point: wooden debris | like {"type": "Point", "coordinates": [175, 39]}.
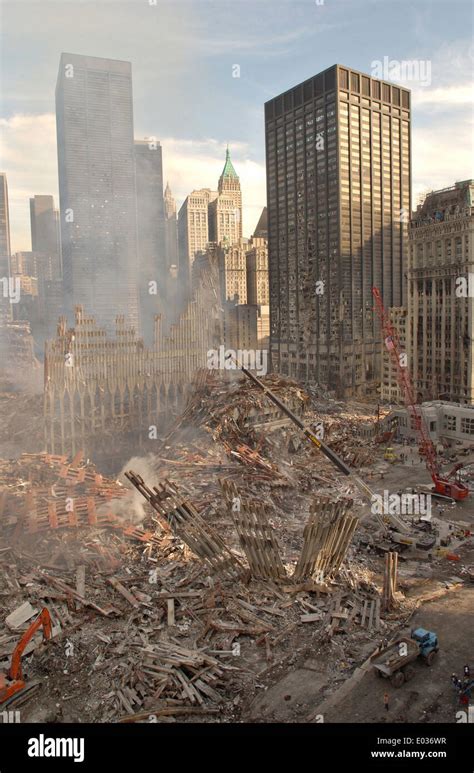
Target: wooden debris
{"type": "Point", "coordinates": [20, 615]}
{"type": "Point", "coordinates": [168, 711]}
{"type": "Point", "coordinates": [110, 610]}
{"type": "Point", "coordinates": [171, 618]}
{"type": "Point", "coordinates": [390, 580]}
{"type": "Point", "coordinates": [123, 591]}
{"type": "Point", "coordinates": [311, 618]}
{"type": "Point", "coordinates": [81, 580]}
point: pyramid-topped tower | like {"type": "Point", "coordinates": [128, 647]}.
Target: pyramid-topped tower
{"type": "Point", "coordinates": [229, 179]}
{"type": "Point", "coordinates": [225, 213]}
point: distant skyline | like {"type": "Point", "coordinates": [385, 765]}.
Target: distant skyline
{"type": "Point", "coordinates": [184, 55]}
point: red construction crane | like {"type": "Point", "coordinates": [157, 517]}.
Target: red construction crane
{"type": "Point", "coordinates": [446, 485]}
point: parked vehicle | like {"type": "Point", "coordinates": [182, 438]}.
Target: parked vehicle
{"type": "Point", "coordinates": [393, 662]}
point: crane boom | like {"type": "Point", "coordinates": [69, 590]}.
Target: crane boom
{"type": "Point", "coordinates": [395, 521]}
{"type": "Point", "coordinates": [443, 484]}
{"type": "Point", "coordinates": [326, 450]}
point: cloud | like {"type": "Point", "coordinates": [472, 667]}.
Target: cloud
{"type": "Point", "coordinates": [30, 162]}
{"type": "Point", "coordinates": [261, 45]}
{"type": "Point", "coordinates": [189, 165]}
{"type": "Point", "coordinates": [438, 161]}
{"type": "Point", "coordinates": [443, 98]}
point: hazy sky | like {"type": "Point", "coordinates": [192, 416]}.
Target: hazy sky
{"type": "Point", "coordinates": [182, 56]}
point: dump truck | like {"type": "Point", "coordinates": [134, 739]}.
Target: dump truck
{"type": "Point", "coordinates": [393, 662]}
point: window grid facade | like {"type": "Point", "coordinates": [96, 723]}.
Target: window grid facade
{"type": "Point", "coordinates": [96, 164]}
{"type": "Point", "coordinates": [338, 183]}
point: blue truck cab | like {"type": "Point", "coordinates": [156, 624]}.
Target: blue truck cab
{"type": "Point", "coordinates": [427, 641]}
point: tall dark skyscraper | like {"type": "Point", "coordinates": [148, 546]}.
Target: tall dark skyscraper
{"type": "Point", "coordinates": [94, 115]}
{"type": "Point", "coordinates": [44, 220]}
{"type": "Point", "coordinates": [151, 232]}
{"type": "Point", "coordinates": [5, 248]}
{"type": "Point", "coordinates": [339, 202]}
{"type": "Point", "coordinates": [171, 227]}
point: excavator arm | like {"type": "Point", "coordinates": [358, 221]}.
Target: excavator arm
{"type": "Point", "coordinates": [43, 620]}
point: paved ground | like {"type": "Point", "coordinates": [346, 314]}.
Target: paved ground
{"type": "Point", "coordinates": [399, 476]}
{"type": "Point", "coordinates": [298, 696]}
{"type": "Point", "coordinates": [428, 697]}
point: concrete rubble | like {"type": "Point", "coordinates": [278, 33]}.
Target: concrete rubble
{"type": "Point", "coordinates": [212, 570]}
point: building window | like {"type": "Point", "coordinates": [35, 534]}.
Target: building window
{"type": "Point", "coordinates": [450, 423]}
{"type": "Point", "coordinates": [355, 82]}
{"type": "Point", "coordinates": [467, 426]}
{"type": "Point", "coordinates": [343, 79]}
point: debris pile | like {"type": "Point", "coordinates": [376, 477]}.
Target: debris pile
{"type": "Point", "coordinates": [231, 408]}
{"type": "Point", "coordinates": [246, 562]}
{"type": "Point", "coordinates": [43, 491]}
{"type": "Point", "coordinates": [21, 423]}
{"type": "Point", "coordinates": [152, 633]}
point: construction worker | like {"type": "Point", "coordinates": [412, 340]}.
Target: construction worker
{"type": "Point", "coordinates": [467, 672]}
{"type": "Point", "coordinates": [385, 701]}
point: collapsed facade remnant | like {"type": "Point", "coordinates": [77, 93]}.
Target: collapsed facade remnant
{"type": "Point", "coordinates": [18, 364]}
{"type": "Point", "coordinates": [256, 536]}
{"type": "Point", "coordinates": [95, 385]}
{"type": "Point", "coordinates": [186, 523]}
{"type": "Point", "coordinates": [390, 580]}
{"type": "Point", "coordinates": [327, 536]}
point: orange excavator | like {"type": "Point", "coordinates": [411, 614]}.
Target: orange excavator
{"type": "Point", "coordinates": [12, 683]}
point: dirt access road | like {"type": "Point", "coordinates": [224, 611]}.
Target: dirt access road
{"type": "Point", "coordinates": [428, 697]}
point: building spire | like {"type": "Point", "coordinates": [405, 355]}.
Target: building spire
{"type": "Point", "coordinates": [229, 170]}
{"type": "Point", "coordinates": [169, 202]}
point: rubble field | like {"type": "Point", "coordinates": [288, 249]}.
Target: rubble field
{"type": "Point", "coordinates": [231, 576]}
